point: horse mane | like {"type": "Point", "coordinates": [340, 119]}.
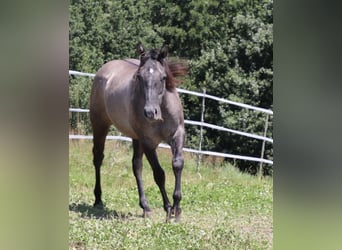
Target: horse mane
{"type": "Point", "coordinates": [173, 70]}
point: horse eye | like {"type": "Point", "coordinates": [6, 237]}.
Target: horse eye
{"type": "Point", "coordinates": [139, 77]}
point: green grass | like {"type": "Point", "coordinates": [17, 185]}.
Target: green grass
{"type": "Point", "coordinates": [222, 207]}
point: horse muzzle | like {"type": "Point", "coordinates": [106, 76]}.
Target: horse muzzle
{"type": "Point", "coordinates": [152, 114]}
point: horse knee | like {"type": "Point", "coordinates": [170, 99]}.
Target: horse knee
{"type": "Point", "coordinates": [178, 163]}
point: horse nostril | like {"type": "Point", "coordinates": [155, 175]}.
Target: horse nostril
{"type": "Point", "coordinates": [148, 113]}
{"type": "Point", "coordinates": [151, 113]}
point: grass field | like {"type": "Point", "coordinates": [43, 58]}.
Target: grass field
{"type": "Point", "coordinates": [222, 207]}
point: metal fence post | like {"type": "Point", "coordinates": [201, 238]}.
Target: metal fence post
{"type": "Point", "coordinates": [263, 148]}
{"type": "Point", "coordinates": [199, 155]}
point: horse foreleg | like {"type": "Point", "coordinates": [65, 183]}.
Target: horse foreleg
{"type": "Point", "coordinates": [177, 166]}
{"type": "Point", "coordinates": [159, 178]}
{"type": "Point", "coordinates": [137, 170]}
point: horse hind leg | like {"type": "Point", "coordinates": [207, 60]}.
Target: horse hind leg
{"type": "Point", "coordinates": [99, 133]}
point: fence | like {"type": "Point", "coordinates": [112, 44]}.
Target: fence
{"type": "Point", "coordinates": [202, 124]}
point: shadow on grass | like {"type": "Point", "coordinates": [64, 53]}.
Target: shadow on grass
{"type": "Point", "coordinates": [89, 211]}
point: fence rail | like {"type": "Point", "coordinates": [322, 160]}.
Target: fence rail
{"type": "Point", "coordinates": [242, 105]}
{"type": "Point", "coordinates": [204, 124]}
{"type": "Point", "coordinates": [201, 124]}
{"type": "Point", "coordinates": [163, 145]}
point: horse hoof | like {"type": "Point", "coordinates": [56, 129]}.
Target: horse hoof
{"type": "Point", "coordinates": [177, 219]}
{"type": "Point", "coordinates": [147, 214]}
{"type": "Point", "coordinates": [168, 214]}
{"type": "Point", "coordinates": [178, 213]}
{"type": "Point", "coordinates": [98, 205]}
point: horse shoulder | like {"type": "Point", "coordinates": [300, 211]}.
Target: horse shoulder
{"type": "Point", "coordinates": [172, 115]}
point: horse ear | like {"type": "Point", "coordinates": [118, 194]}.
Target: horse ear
{"type": "Point", "coordinates": [163, 52]}
{"type": "Point", "coordinates": [140, 49]}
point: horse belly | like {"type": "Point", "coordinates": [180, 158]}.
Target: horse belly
{"type": "Point", "coordinates": [117, 105]}
{"type": "Point", "coordinates": [123, 126]}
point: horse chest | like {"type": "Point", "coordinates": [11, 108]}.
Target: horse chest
{"type": "Point", "coordinates": [155, 132]}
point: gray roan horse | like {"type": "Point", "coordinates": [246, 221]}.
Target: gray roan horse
{"type": "Point", "coordinates": [139, 97]}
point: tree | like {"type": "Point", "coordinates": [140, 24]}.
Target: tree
{"type": "Point", "coordinates": [229, 45]}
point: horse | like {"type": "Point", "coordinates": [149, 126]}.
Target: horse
{"type": "Point", "coordinates": [139, 97]}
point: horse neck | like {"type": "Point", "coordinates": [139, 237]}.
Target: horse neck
{"type": "Point", "coordinates": [171, 104]}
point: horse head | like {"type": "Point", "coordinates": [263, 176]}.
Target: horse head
{"type": "Point", "coordinates": [151, 77]}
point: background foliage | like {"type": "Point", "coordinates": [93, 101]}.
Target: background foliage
{"type": "Point", "coordinates": [229, 45]}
